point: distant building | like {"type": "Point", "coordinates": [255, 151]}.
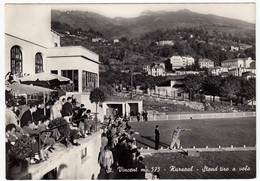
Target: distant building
{"type": "Point", "coordinates": [116, 41]}
{"type": "Point", "coordinates": [248, 75]}
{"type": "Point", "coordinates": [244, 46]}
{"type": "Point", "coordinates": [207, 63]}
{"type": "Point", "coordinates": [238, 62]}
{"type": "Point", "coordinates": [178, 61]}
{"type": "Point", "coordinates": [165, 42]}
{"type": "Point", "coordinates": [156, 69]}
{"type": "Point", "coordinates": [94, 40]}
{"type": "Point", "coordinates": [234, 48]}
{"type": "Point", "coordinates": [218, 70]}
{"type": "Point", "coordinates": [238, 71]}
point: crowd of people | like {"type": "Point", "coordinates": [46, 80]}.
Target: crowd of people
{"type": "Point", "coordinates": [31, 124]}
{"type": "Point", "coordinates": [119, 150]}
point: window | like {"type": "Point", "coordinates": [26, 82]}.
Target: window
{"type": "Point", "coordinates": [16, 61]}
{"type": "Point", "coordinates": [84, 153]}
{"type": "Point", "coordinates": [51, 175]}
{"type": "Point", "coordinates": [72, 75]}
{"type": "Point", "coordinates": [38, 63]}
{"type": "Point", "coordinates": [54, 72]}
{"type": "Point", "coordinates": [89, 81]}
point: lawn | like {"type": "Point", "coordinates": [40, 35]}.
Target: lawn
{"type": "Point", "coordinates": [209, 165]}
{"type": "Point", "coordinates": [211, 133]}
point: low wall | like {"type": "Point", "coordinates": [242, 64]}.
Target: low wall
{"type": "Point", "coordinates": [74, 162]}
{"type": "Point", "coordinates": [158, 117]}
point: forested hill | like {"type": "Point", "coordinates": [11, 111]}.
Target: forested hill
{"type": "Point", "coordinates": [147, 21]}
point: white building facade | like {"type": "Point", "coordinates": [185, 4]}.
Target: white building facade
{"type": "Point", "coordinates": [178, 61]}
{"type": "Point", "coordinates": [32, 47]}
{"type": "Point", "coordinates": [207, 63]}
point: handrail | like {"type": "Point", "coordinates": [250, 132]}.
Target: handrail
{"type": "Point", "coordinates": [48, 130]}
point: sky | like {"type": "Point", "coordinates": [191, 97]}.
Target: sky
{"type": "Point", "coordinates": [242, 11]}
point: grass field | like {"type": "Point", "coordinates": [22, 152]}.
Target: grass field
{"type": "Point", "coordinates": [224, 165]}
{"type": "Point", "coordinates": [211, 133]}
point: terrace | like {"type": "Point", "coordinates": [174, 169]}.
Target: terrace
{"type": "Point", "coordinates": [67, 163]}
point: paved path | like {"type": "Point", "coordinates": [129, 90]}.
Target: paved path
{"type": "Point", "coordinates": [151, 151]}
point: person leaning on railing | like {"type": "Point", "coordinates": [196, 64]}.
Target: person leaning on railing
{"type": "Point", "coordinates": [29, 128]}
{"type": "Point", "coordinates": [45, 136]}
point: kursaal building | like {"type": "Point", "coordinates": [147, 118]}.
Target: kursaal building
{"type": "Point", "coordinates": [31, 46]}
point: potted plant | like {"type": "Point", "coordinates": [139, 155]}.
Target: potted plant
{"type": "Point", "coordinates": [19, 153]}
{"type": "Point", "coordinates": [63, 128]}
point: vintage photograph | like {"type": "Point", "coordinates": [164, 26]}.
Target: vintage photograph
{"type": "Point", "coordinates": [130, 91]}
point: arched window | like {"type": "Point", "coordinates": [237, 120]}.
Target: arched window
{"type": "Point", "coordinates": [16, 61]}
{"type": "Point", "coordinates": [38, 63]}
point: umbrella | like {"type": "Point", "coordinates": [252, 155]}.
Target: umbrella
{"type": "Point", "coordinates": [45, 79]}
{"type": "Point", "coordinates": [18, 88]}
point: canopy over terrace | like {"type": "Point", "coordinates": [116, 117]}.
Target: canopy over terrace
{"type": "Point", "coordinates": [45, 80]}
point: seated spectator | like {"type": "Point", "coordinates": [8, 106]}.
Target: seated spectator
{"type": "Point", "coordinates": [30, 129]}
{"type": "Point", "coordinates": [10, 117]}
{"type": "Point", "coordinates": [74, 133]}
{"type": "Point", "coordinates": [46, 136]}
{"type": "Point", "coordinates": [10, 137]}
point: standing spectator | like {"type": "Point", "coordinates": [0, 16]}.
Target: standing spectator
{"type": "Point", "coordinates": [106, 159]}
{"type": "Point", "coordinates": [145, 113]}
{"type": "Point", "coordinates": [48, 109]}
{"type": "Point", "coordinates": [22, 107]}
{"type": "Point", "coordinates": [156, 176]}
{"type": "Point", "coordinates": [28, 115]}
{"type": "Point", "coordinates": [140, 168]}
{"type": "Point", "coordinates": [157, 137]}
{"type": "Point", "coordinates": [55, 110]}
{"type": "Point", "coordinates": [67, 111]}
{"type": "Point", "coordinates": [39, 112]}
{"type": "Point", "coordinates": [138, 116]}
{"type": "Point", "coordinates": [104, 141]}
{"type": "Point", "coordinates": [16, 110]}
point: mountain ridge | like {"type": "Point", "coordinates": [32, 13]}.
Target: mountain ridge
{"type": "Point", "coordinates": [148, 20]}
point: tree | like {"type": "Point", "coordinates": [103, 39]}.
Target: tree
{"type": "Point", "coordinates": [249, 89]}
{"type": "Point", "coordinates": [211, 85]}
{"type": "Point", "coordinates": [193, 83]}
{"type": "Point", "coordinates": [230, 88]}
{"type": "Point", "coordinates": [96, 96]}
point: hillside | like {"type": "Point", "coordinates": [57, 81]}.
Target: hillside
{"type": "Point", "coordinates": [147, 21]}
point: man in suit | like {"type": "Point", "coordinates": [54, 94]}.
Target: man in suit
{"type": "Point", "coordinates": [157, 137]}
{"type": "Point", "coordinates": [67, 111]}
{"type": "Point", "coordinates": [28, 115]}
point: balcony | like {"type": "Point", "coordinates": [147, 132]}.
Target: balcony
{"type": "Point", "coordinates": [74, 162]}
